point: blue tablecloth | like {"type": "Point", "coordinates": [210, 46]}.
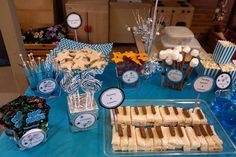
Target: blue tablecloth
{"type": "Point", "coordinates": [63, 143]}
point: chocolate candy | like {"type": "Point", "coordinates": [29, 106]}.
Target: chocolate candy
{"type": "Point", "coordinates": [144, 110]}
{"type": "Point", "coordinates": [136, 110]}
{"type": "Point", "coordinates": [153, 109]}
{"type": "Point", "coordinates": [203, 131]}
{"type": "Point", "coordinates": [179, 130]}
{"type": "Point", "coordinates": [124, 110]}
{"type": "Point", "coordinates": [167, 110]}
{"type": "Point", "coordinates": [175, 110]}
{"type": "Point", "coordinates": [159, 131]}
{"type": "Point", "coordinates": [209, 130]}
{"type": "Point", "coordinates": [150, 133]}
{"type": "Point", "coordinates": [199, 114]}
{"type": "Point", "coordinates": [172, 130]}
{"type": "Point", "coordinates": [116, 111]}
{"type": "Point", "coordinates": [186, 113]}
{"type": "Point", "coordinates": [120, 131]}
{"type": "Point", "coordinates": [197, 130]}
{"type": "Point", "coordinates": [129, 131]}
{"type": "Point", "coordinates": [142, 132]}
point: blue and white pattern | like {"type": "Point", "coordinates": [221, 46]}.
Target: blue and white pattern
{"type": "Point", "coordinates": [232, 71]}
{"type": "Point", "coordinates": [223, 54]}
{"type": "Point", "coordinates": [201, 70]}
{"type": "Point", "coordinates": [73, 45]}
{"type": "Point", "coordinates": [233, 76]}
{"type": "Point", "coordinates": [35, 116]}
{"type": "Point", "coordinates": [17, 119]}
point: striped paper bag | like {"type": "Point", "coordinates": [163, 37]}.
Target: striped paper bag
{"type": "Point", "coordinates": [224, 52]}
{"type": "Point", "coordinates": [231, 69]}
{"type": "Point", "coordinates": [208, 68]}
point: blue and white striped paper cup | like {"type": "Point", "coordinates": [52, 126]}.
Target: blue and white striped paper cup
{"type": "Point", "coordinates": [208, 68]}
{"type": "Point", "coordinates": [231, 69]}
{"type": "Point", "coordinates": [224, 52]}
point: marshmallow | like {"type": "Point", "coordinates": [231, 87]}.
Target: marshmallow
{"type": "Point", "coordinates": [194, 62]}
{"type": "Point", "coordinates": [180, 58]}
{"type": "Point", "coordinates": [178, 48]}
{"type": "Point", "coordinates": [135, 28]}
{"type": "Point", "coordinates": [194, 53]}
{"type": "Point", "coordinates": [186, 49]}
{"type": "Point", "coordinates": [169, 61]}
{"type": "Point", "coordinates": [163, 55]}
{"type": "Point", "coordinates": [174, 55]}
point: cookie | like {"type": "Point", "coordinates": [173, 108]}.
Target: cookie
{"type": "Point", "coordinates": [62, 56]}
{"type": "Point", "coordinates": [67, 65]}
{"type": "Point", "coordinates": [99, 64]}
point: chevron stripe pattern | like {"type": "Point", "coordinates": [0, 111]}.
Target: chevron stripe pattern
{"type": "Point", "coordinates": [73, 45]}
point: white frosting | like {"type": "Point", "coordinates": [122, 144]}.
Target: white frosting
{"type": "Point", "coordinates": [163, 55]}
{"type": "Point", "coordinates": [194, 53]}
{"type": "Point", "coordinates": [186, 49]}
{"type": "Point", "coordinates": [180, 58]}
{"type": "Point", "coordinates": [169, 61]}
{"type": "Point", "coordinates": [194, 62]}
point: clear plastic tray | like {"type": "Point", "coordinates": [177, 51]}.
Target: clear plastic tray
{"type": "Point", "coordinates": [228, 145]}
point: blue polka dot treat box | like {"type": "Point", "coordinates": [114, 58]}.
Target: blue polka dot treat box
{"type": "Point", "coordinates": [224, 52]}
{"type": "Point", "coordinates": [230, 69]}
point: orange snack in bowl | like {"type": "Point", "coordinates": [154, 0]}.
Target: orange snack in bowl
{"type": "Point", "coordinates": [142, 56]}
{"type": "Point", "coordinates": [117, 57]}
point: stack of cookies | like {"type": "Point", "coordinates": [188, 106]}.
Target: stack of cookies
{"type": "Point", "coordinates": [160, 128]}
{"type": "Point", "coordinates": [82, 59]}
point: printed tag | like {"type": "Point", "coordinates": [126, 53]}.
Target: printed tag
{"type": "Point", "coordinates": [111, 98]}
{"type": "Point", "coordinates": [203, 84]}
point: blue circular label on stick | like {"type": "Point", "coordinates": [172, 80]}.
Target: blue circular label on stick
{"type": "Point", "coordinates": [47, 86]}
{"type": "Point", "coordinates": [175, 75]}
{"type": "Point", "coordinates": [74, 20]}
{"type": "Point", "coordinates": [203, 84]}
{"type": "Point", "coordinates": [130, 76]}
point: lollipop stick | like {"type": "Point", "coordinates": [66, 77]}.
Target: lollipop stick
{"type": "Point", "coordinates": [196, 101]}
{"type": "Point", "coordinates": [114, 119]}
{"type": "Point", "coordinates": [87, 99]}
{"type": "Point", "coordinates": [76, 38]}
{"type": "Point", "coordinates": [92, 98]}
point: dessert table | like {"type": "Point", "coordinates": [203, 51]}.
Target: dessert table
{"type": "Point", "coordinates": [62, 142]}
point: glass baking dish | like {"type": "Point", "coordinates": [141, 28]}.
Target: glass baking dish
{"type": "Point", "coordinates": [228, 145]}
